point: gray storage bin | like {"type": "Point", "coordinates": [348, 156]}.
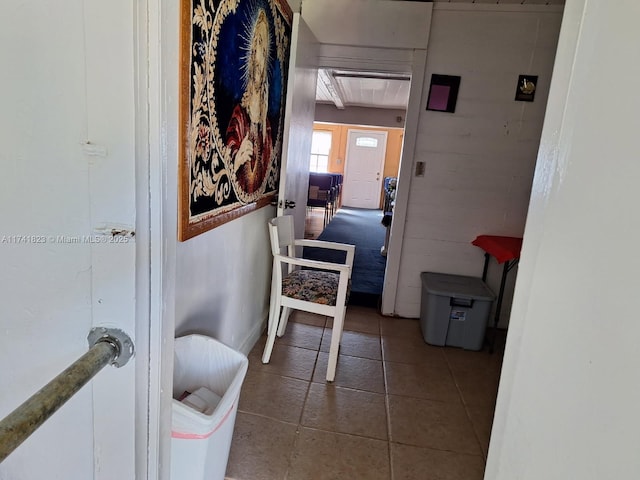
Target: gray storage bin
{"type": "Point", "coordinates": [454, 310]}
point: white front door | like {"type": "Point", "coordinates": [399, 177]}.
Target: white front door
{"type": "Point", "coordinates": [363, 170]}
{"type": "Point", "coordinates": [298, 126]}
{"type": "Point", "coordinates": [67, 237]}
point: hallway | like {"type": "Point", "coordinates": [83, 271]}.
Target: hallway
{"type": "Point", "coordinates": [399, 408]}
{"type": "Point", "coordinates": [363, 229]}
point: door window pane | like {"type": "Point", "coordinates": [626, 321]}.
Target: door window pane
{"type": "Point", "coordinates": [367, 142]}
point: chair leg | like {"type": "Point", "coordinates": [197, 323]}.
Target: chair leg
{"type": "Point", "coordinates": [284, 319]}
{"type": "Point", "coordinates": [274, 312]}
{"type": "Point", "coordinates": [273, 315]}
{"type": "Point", "coordinates": [336, 337]}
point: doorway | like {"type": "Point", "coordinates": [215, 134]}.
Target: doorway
{"type": "Point", "coordinates": [335, 161]}
{"type": "Point", "coordinates": [358, 224]}
{"type": "Point", "coordinates": [359, 75]}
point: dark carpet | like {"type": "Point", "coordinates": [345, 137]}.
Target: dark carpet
{"type": "Point", "coordinates": [362, 228]}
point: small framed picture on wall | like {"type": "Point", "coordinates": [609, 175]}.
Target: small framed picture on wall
{"type": "Point", "coordinates": [443, 93]}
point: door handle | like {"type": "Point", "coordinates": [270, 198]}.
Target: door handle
{"type": "Point", "coordinates": [287, 204]}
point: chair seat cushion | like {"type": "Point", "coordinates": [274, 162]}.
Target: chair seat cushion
{"type": "Point", "coordinates": [312, 286]}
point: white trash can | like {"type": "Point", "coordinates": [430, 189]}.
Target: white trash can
{"type": "Point", "coordinates": [207, 378]}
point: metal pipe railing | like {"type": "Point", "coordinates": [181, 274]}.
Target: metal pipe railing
{"type": "Point", "coordinates": [107, 346]}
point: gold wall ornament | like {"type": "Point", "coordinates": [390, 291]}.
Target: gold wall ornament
{"type": "Point", "coordinates": [526, 88]}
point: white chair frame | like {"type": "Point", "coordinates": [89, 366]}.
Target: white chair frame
{"type": "Point", "coordinates": [281, 234]}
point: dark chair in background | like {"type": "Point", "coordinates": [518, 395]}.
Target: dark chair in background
{"type": "Point", "coordinates": [389, 194]}
{"type": "Point", "coordinates": [337, 191]}
{"type": "Point", "coordinates": [321, 193]}
{"type": "Point", "coordinates": [387, 209]}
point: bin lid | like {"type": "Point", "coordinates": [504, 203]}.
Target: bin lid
{"type": "Point", "coordinates": [457, 286]}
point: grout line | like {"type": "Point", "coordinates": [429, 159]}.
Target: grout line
{"type": "Point", "coordinates": [302, 410]}
{"type": "Point", "coordinates": [351, 389]}
{"type": "Point", "coordinates": [346, 434]}
{"type": "Point", "coordinates": [260, 415]}
{"type": "Point", "coordinates": [465, 406]}
{"type": "Point", "coordinates": [387, 405]}
{"type": "Point", "coordinates": [437, 449]}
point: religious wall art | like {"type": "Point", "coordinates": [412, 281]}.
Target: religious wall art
{"type": "Point", "coordinates": [443, 93]}
{"type": "Point", "coordinates": [526, 89]}
{"type": "Point", "coordinates": [233, 73]}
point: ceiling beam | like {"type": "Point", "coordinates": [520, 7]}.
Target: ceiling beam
{"type": "Point", "coordinates": [326, 77]}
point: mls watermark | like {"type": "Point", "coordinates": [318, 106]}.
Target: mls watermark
{"type": "Point", "coordinates": [62, 239]}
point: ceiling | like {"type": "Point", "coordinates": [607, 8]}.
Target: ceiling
{"type": "Point", "coordinates": [344, 88]}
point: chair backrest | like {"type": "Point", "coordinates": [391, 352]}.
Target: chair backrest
{"type": "Point", "coordinates": [321, 189]}
{"type": "Point", "coordinates": [281, 234]}
{"type": "Point", "coordinates": [324, 181]}
{"type": "Point", "coordinates": [337, 182]}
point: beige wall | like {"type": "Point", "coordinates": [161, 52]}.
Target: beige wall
{"type": "Point", "coordinates": [339, 147]}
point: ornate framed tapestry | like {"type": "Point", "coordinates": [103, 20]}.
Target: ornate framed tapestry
{"type": "Point", "coordinates": [233, 74]}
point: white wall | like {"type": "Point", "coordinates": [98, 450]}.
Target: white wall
{"type": "Point", "coordinates": [376, 117]}
{"type": "Point", "coordinates": [379, 36]}
{"type": "Point", "coordinates": [223, 276]}
{"type": "Point", "coordinates": [385, 24]}
{"type": "Point", "coordinates": [479, 160]}
{"type": "Point", "coordinates": [45, 289]}
{"type": "Point", "coordinates": [294, 5]}
{"type": "Point", "coordinates": [570, 387]}
{"type": "Point", "coordinates": [222, 281]}
{"type": "Point", "coordinates": [67, 87]}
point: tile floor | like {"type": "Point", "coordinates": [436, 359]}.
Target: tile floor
{"type": "Point", "coordinates": [399, 409]}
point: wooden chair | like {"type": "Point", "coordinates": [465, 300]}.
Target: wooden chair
{"type": "Point", "coordinates": [321, 287]}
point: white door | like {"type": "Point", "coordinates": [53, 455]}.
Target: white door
{"type": "Point", "coordinates": [298, 123]}
{"type": "Point", "coordinates": [67, 250]}
{"type": "Point", "coordinates": [363, 169]}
